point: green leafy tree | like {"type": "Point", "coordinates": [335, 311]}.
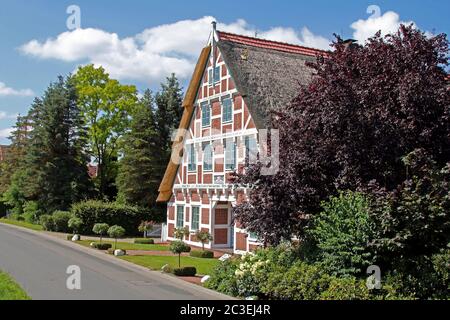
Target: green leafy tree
{"type": "Point", "coordinates": [139, 171]}
{"type": "Point", "coordinates": [146, 226]}
{"type": "Point", "coordinates": [106, 106]}
{"type": "Point", "coordinates": [116, 232]}
{"type": "Point", "coordinates": [100, 229]}
{"type": "Point", "coordinates": [178, 247]}
{"type": "Point", "coordinates": [342, 232]}
{"type": "Point", "coordinates": [204, 237]}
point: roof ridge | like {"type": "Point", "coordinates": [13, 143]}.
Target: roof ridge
{"type": "Point", "coordinates": [269, 44]}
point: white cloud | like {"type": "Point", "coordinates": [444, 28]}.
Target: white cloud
{"type": "Point", "coordinates": [155, 52]}
{"type": "Point", "coordinates": [7, 91]}
{"type": "Point", "coordinates": [389, 22]}
{"type": "Point", "coordinates": [5, 115]}
{"type": "Point", "coordinates": [5, 133]}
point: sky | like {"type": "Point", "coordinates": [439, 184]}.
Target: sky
{"type": "Point", "coordinates": [141, 42]}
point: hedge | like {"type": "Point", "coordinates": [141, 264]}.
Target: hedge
{"type": "Point", "coordinates": [144, 241]}
{"type": "Point", "coordinates": [185, 272]}
{"type": "Point", "coordinates": [93, 211]}
{"type": "Point", "coordinates": [202, 254]}
{"type": "Point", "coordinates": [101, 246]}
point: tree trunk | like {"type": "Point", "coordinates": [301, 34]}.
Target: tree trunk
{"type": "Point", "coordinates": [179, 260]}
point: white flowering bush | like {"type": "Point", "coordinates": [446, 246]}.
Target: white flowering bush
{"type": "Point", "coordinates": [250, 274]}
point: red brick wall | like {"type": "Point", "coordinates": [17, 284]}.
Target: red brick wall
{"type": "Point", "coordinates": [237, 122]}
{"type": "Point", "coordinates": [216, 109]}
{"type": "Point", "coordinates": [207, 178]}
{"type": "Point", "coordinates": [237, 103]}
{"type": "Point", "coordinates": [195, 197]}
{"type": "Point", "coordinates": [171, 227]}
{"type": "Point", "coordinates": [205, 216]}
{"type": "Point", "coordinates": [171, 213]}
{"type": "Point", "coordinates": [221, 216]}
{"type": "Point", "coordinates": [191, 178]}
{"type": "Point", "coordinates": [220, 236]}
{"type": "Point", "coordinates": [180, 196]}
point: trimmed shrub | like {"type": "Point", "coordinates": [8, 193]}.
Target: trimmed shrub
{"type": "Point", "coordinates": [47, 222]}
{"type": "Point", "coordinates": [185, 272]}
{"type": "Point", "coordinates": [202, 254]}
{"type": "Point", "coordinates": [100, 229]}
{"type": "Point", "coordinates": [144, 241]}
{"type": "Point", "coordinates": [223, 278]}
{"type": "Point", "coordinates": [102, 246]}
{"type": "Point", "coordinates": [116, 232]}
{"type": "Point", "coordinates": [94, 211]}
{"type": "Point", "coordinates": [61, 220]}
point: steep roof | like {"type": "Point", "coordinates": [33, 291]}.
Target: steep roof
{"type": "Point", "coordinates": [268, 74]}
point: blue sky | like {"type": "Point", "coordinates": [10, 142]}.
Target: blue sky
{"type": "Point", "coordinates": [140, 42]}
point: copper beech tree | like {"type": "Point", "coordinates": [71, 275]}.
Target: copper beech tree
{"type": "Point", "coordinates": [366, 108]}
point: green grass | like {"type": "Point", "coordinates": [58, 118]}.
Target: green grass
{"type": "Point", "coordinates": [129, 246]}
{"type": "Point", "coordinates": [22, 224]}
{"type": "Point", "coordinates": [204, 266]}
{"type": "Point", "coordinates": [10, 290]}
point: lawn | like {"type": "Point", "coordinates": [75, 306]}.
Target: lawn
{"type": "Point", "coordinates": [204, 266]}
{"type": "Point", "coordinates": [10, 290]}
{"type": "Point", "coordinates": [22, 224]}
{"type": "Point", "coordinates": [129, 246]}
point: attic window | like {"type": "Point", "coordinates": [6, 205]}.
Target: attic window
{"type": "Point", "coordinates": [214, 75]}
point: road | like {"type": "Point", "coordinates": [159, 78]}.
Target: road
{"type": "Point", "coordinates": [39, 263]}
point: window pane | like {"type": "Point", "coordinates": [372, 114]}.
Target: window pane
{"type": "Point", "coordinates": [192, 161]}
{"type": "Point", "coordinates": [207, 156]}
{"type": "Point", "coordinates": [227, 110]}
{"type": "Point", "coordinates": [210, 76]}
{"type": "Point", "coordinates": [251, 148]}
{"type": "Point", "coordinates": [206, 115]}
{"type": "Point", "coordinates": [195, 218]}
{"type": "Point", "coordinates": [217, 74]}
{"type": "Point", "coordinates": [230, 155]}
{"type": "Point", "coordinates": [180, 216]}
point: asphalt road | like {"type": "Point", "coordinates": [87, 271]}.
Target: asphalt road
{"type": "Point", "coordinates": [39, 264]}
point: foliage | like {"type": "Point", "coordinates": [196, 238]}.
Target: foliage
{"type": "Point", "coordinates": [100, 229]}
{"type": "Point", "coordinates": [223, 278]}
{"type": "Point", "coordinates": [75, 224]}
{"type": "Point", "coordinates": [32, 211]}
{"type": "Point", "coordinates": [102, 246]}
{"type": "Point", "coordinates": [106, 106]}
{"type": "Point", "coordinates": [178, 247]}
{"type": "Point", "coordinates": [180, 233]}
{"type": "Point", "coordinates": [202, 254]}
{"type": "Point", "coordinates": [146, 226]}
{"type": "Point", "coordinates": [144, 241]}
{"type": "Point", "coordinates": [116, 232]}
{"type": "Point", "coordinates": [61, 221]}
{"type": "Point", "coordinates": [414, 219]}
{"type": "Point", "coordinates": [93, 211]}
{"type": "Point", "coordinates": [57, 140]}
{"type": "Point", "coordinates": [342, 232]}
{"type": "Point", "coordinates": [185, 272]}
{"type": "Point", "coordinates": [204, 237]}
{"type": "Point", "coordinates": [365, 109]}
{"type": "Point", "coordinates": [139, 170]}
{"type": "Point", "coordinates": [47, 222]}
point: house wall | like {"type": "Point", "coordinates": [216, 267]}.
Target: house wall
{"type": "Point", "coordinates": [193, 188]}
